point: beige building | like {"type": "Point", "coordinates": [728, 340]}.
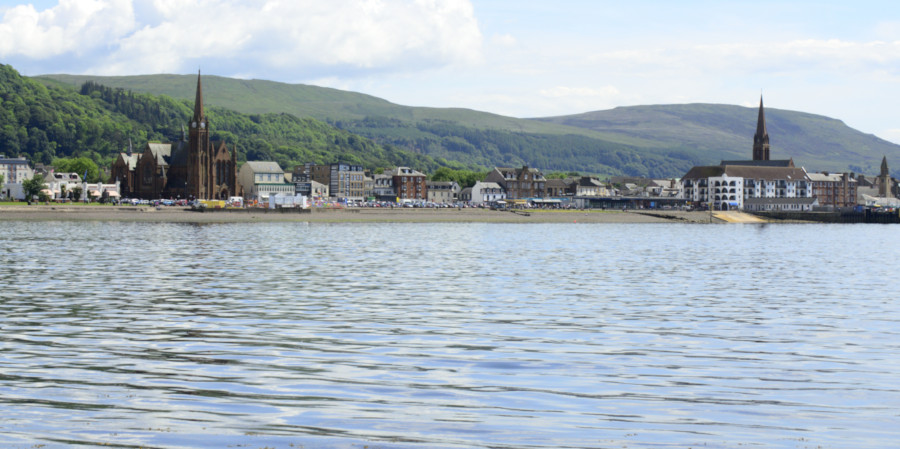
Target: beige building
{"type": "Point", "coordinates": [442, 191]}
{"type": "Point", "coordinates": [259, 179]}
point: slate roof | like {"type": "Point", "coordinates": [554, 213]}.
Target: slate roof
{"type": "Point", "coordinates": [489, 185]}
{"type": "Point", "coordinates": [265, 167]}
{"type": "Point", "coordinates": [180, 153]}
{"type": "Point", "coordinates": [556, 184]}
{"type": "Point", "coordinates": [827, 177]}
{"type": "Point", "coordinates": [160, 151]}
{"type": "Point", "coordinates": [405, 171]}
{"type": "Point", "coordinates": [13, 161]}
{"type": "Point", "coordinates": [130, 160]}
{"type": "Point", "coordinates": [771, 163]}
{"type": "Point", "coordinates": [747, 172]}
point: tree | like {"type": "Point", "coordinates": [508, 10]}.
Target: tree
{"type": "Point", "coordinates": [80, 166]}
{"type": "Point", "coordinates": [76, 193]}
{"type": "Point", "coordinates": [33, 187]}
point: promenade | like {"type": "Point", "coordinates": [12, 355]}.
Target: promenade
{"type": "Point", "coordinates": [375, 215]}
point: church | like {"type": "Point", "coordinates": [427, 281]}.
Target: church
{"type": "Point", "coordinates": [757, 184]}
{"type": "Point", "coordinates": [193, 168]}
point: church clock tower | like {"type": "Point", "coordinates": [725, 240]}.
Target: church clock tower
{"type": "Point", "coordinates": [198, 149]}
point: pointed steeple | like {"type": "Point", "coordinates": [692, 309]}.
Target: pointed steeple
{"type": "Point", "coordinates": [761, 138]}
{"type": "Point", "coordinates": [130, 147]}
{"type": "Point", "coordinates": [884, 167]}
{"type": "Point", "coordinates": [198, 102]}
{"type": "Point", "coordinates": [761, 120]}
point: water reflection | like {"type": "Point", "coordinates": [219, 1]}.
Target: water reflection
{"type": "Point", "coordinates": [447, 335]}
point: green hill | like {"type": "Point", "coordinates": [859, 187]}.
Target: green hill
{"type": "Point", "coordinates": [725, 132]}
{"type": "Point", "coordinates": [44, 122]}
{"type": "Point", "coordinates": [664, 140]}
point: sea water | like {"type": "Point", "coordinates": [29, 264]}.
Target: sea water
{"type": "Point", "coordinates": [449, 335]}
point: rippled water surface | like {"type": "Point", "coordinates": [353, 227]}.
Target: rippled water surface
{"type": "Point", "coordinates": [449, 335]}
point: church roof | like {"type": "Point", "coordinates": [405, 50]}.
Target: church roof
{"type": "Point", "coordinates": [767, 163]}
{"type": "Point", "coordinates": [160, 151]}
{"type": "Point", "coordinates": [179, 153]}
{"type": "Point", "coordinates": [129, 159]}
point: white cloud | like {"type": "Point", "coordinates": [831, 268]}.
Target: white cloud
{"type": "Point", "coordinates": [789, 56]}
{"type": "Point", "coordinates": [258, 36]}
{"type": "Point", "coordinates": [73, 26]}
{"type": "Point", "coordinates": [504, 40]}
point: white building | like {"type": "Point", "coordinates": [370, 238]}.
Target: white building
{"type": "Point", "coordinates": [259, 179]}
{"type": "Point", "coordinates": [14, 172]}
{"type": "Point", "coordinates": [383, 188]}
{"type": "Point", "coordinates": [487, 192]}
{"type": "Point", "coordinates": [59, 185]}
{"type": "Point", "coordinates": [729, 186]}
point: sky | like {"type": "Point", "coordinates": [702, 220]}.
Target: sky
{"type": "Point", "coordinates": [519, 58]}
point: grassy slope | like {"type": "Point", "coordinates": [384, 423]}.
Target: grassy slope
{"type": "Point", "coordinates": [726, 132]}
{"type": "Point", "coordinates": [705, 132]}
{"type": "Point", "coordinates": [323, 103]}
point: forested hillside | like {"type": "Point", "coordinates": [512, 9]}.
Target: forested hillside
{"type": "Point", "coordinates": [46, 122]}
{"type": "Point", "coordinates": [814, 141]}
{"type": "Point", "coordinates": [660, 140]}
{"type": "Point", "coordinates": [453, 136]}
{"type": "Point", "coordinates": [450, 140]}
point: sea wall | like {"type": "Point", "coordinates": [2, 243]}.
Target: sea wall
{"type": "Point", "coordinates": [867, 216]}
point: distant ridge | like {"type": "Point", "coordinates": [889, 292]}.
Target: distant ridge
{"type": "Point", "coordinates": [655, 140]}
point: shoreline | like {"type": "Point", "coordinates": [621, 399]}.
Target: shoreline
{"type": "Point", "coordinates": [354, 215]}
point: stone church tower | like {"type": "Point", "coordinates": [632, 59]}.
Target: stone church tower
{"type": "Point", "coordinates": [761, 138]}
{"type": "Point", "coordinates": [884, 180]}
{"type": "Point", "coordinates": [198, 149]}
{"type": "Point", "coordinates": [211, 169]}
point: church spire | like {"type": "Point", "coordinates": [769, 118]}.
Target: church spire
{"type": "Point", "coordinates": [884, 167]}
{"type": "Point", "coordinates": [761, 138]}
{"type": "Point", "coordinates": [198, 102]}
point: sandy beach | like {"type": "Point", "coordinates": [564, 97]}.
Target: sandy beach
{"type": "Point", "coordinates": [362, 215]}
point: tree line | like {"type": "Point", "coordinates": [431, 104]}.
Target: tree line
{"type": "Point", "coordinates": [55, 124]}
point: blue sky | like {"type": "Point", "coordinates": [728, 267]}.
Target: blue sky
{"type": "Point", "coordinates": [516, 58]}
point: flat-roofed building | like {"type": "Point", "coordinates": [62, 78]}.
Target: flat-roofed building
{"type": "Point", "coordinates": [345, 181]}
